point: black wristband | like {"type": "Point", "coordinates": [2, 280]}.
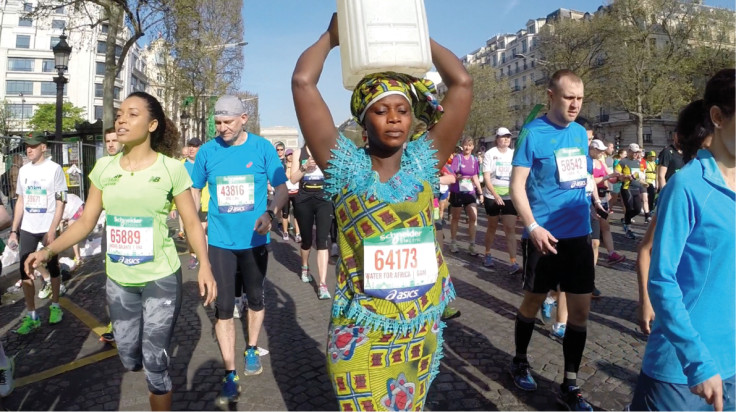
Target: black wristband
{"type": "Point", "coordinates": [14, 231]}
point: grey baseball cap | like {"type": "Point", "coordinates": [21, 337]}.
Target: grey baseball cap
{"type": "Point", "coordinates": [230, 106]}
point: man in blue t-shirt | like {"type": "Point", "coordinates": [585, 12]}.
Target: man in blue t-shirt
{"type": "Point", "coordinates": [238, 166]}
{"type": "Point", "coordinates": [549, 174]}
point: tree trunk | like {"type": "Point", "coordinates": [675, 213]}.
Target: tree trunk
{"type": "Point", "coordinates": [639, 122]}
{"type": "Point", "coordinates": [115, 22]}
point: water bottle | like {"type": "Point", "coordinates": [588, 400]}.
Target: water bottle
{"type": "Point", "coordinates": [382, 35]}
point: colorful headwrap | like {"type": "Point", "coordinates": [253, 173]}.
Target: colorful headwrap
{"type": "Point", "coordinates": [379, 85]}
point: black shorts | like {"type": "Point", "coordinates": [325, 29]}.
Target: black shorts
{"type": "Point", "coordinates": [494, 209]}
{"type": "Point", "coordinates": [250, 265]}
{"type": "Point", "coordinates": [595, 225]}
{"type": "Point", "coordinates": [571, 268]}
{"type": "Point", "coordinates": [202, 216]}
{"type": "Point", "coordinates": [462, 199]}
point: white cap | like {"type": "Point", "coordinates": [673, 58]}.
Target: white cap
{"type": "Point", "coordinates": [597, 144]}
{"type": "Point", "coordinates": [502, 131]}
{"type": "Point", "coordinates": [634, 148]}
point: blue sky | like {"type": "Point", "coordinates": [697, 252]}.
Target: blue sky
{"type": "Point", "coordinates": [278, 31]}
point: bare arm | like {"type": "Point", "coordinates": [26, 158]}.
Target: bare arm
{"type": "Point", "coordinates": [315, 119]}
{"type": "Point", "coordinates": [296, 172]}
{"type": "Point", "coordinates": [5, 219]}
{"type": "Point", "coordinates": [540, 237]}
{"type": "Point", "coordinates": [661, 173]}
{"type": "Point", "coordinates": [76, 232]}
{"type": "Point", "coordinates": [58, 214]}
{"type": "Point", "coordinates": [644, 257]}
{"type": "Point", "coordinates": [448, 179]}
{"type": "Point", "coordinates": [456, 103]}
{"type": "Point", "coordinates": [196, 198]}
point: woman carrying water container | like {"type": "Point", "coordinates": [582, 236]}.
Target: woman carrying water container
{"type": "Point", "coordinates": [385, 334]}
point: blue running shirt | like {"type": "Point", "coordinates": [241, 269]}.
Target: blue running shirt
{"type": "Point", "coordinates": [237, 177]}
{"type": "Point", "coordinates": [557, 157]}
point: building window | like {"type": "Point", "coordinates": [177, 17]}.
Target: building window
{"type": "Point", "coordinates": [503, 58]}
{"type": "Point", "coordinates": [49, 89]}
{"type": "Point", "coordinates": [54, 41]}
{"type": "Point", "coordinates": [98, 90]}
{"type": "Point", "coordinates": [530, 29]}
{"type": "Point", "coordinates": [101, 47]}
{"type": "Point", "coordinates": [105, 28]}
{"type": "Point", "coordinates": [59, 10]}
{"type": "Point", "coordinates": [98, 112]}
{"type": "Point", "coordinates": [23, 41]}
{"type": "Point", "coordinates": [100, 68]}
{"type": "Point", "coordinates": [25, 22]}
{"type": "Point", "coordinates": [18, 64]}
{"type": "Point", "coordinates": [27, 7]}
{"type": "Point", "coordinates": [513, 52]}
{"type": "Point", "coordinates": [18, 111]}
{"type": "Point", "coordinates": [58, 24]}
{"type": "Point", "coordinates": [18, 87]}
{"type": "Point", "coordinates": [48, 65]}
{"type": "Point", "coordinates": [116, 93]}
{"type": "Point", "coordinates": [523, 46]}
{"type": "Point", "coordinates": [160, 92]}
{"type": "Point", "coordinates": [495, 60]}
{"type": "Point", "coordinates": [118, 51]}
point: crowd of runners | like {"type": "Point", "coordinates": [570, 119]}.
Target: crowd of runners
{"type": "Point", "coordinates": [380, 209]}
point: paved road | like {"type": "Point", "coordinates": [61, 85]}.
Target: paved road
{"type": "Point", "coordinates": [65, 367]}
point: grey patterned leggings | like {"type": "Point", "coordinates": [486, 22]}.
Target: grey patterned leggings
{"type": "Point", "coordinates": [143, 319]}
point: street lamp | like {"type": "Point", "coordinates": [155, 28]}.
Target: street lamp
{"type": "Point", "coordinates": [62, 51]}
{"type": "Point", "coordinates": [184, 117]}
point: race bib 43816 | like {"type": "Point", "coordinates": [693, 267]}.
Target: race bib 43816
{"type": "Point", "coordinates": [235, 194]}
{"type": "Point", "coordinates": [130, 239]}
{"type": "Point", "coordinates": [400, 265]}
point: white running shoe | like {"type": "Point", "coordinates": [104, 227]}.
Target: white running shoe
{"type": "Point", "coordinates": [6, 378]}
{"type": "Point", "coordinates": [334, 251]}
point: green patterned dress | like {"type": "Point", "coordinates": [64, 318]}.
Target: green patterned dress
{"type": "Point", "coordinates": [383, 353]}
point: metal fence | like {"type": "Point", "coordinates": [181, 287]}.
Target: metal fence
{"type": "Point", "coordinates": [77, 158]}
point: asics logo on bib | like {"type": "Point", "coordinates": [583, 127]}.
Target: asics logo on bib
{"type": "Point", "coordinates": [235, 209]}
{"type": "Point", "coordinates": [401, 295]}
{"type": "Point", "coordinates": [577, 184]}
{"type": "Point", "coordinates": [128, 261]}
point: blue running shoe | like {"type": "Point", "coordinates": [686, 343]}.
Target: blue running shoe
{"type": "Point", "coordinates": [547, 311]}
{"type": "Point", "coordinates": [559, 331]}
{"type": "Point", "coordinates": [573, 400]}
{"type": "Point", "coordinates": [230, 390]}
{"type": "Point", "coordinates": [520, 373]}
{"type": "Point", "coordinates": [253, 362]}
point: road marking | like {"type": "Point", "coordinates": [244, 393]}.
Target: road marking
{"type": "Point", "coordinates": [81, 314]}
{"type": "Point", "coordinates": [91, 322]}
{"type": "Point", "coordinates": [49, 373]}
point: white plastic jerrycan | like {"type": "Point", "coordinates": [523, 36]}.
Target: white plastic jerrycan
{"type": "Point", "coordinates": [382, 35]}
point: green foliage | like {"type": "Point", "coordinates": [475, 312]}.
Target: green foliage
{"type": "Point", "coordinates": [4, 118]}
{"type": "Point", "coordinates": [44, 119]}
{"type": "Point", "coordinates": [647, 58]}
{"type": "Point", "coordinates": [490, 108]}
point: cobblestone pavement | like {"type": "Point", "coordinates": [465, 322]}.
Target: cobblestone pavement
{"type": "Point", "coordinates": [65, 367]}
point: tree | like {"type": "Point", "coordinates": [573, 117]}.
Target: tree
{"type": "Point", "coordinates": [490, 108]}
{"type": "Point", "coordinates": [127, 20]}
{"type": "Point", "coordinates": [576, 45]}
{"type": "Point", "coordinates": [206, 58]}
{"type": "Point", "coordinates": [646, 57]}
{"type": "Point", "coordinates": [250, 100]}
{"type": "Point", "coordinates": [44, 119]}
{"type": "Point", "coordinates": [5, 117]}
